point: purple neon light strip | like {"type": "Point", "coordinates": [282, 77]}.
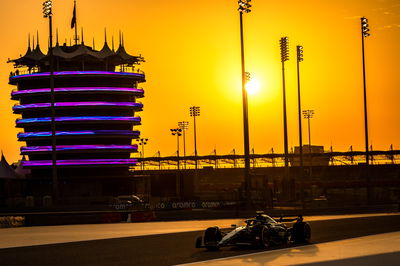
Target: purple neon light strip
{"type": "Point", "coordinates": [78, 89]}
{"type": "Point", "coordinates": [78, 118]}
{"type": "Point", "coordinates": [78, 133]}
{"type": "Point", "coordinates": [76, 104]}
{"type": "Point", "coordinates": [80, 162]}
{"type": "Point", "coordinates": [62, 73]}
{"type": "Point", "coordinates": [78, 147]}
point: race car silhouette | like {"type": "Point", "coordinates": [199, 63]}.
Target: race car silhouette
{"type": "Point", "coordinates": [261, 231]}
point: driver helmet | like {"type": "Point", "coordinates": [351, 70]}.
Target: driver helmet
{"type": "Point", "coordinates": [299, 218]}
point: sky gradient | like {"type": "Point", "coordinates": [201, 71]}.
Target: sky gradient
{"type": "Point", "coordinates": [192, 53]}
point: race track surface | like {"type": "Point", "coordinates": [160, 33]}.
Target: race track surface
{"type": "Point", "coordinates": [176, 248]}
{"type": "Point", "coordinates": [380, 249]}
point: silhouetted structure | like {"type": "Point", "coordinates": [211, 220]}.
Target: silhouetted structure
{"type": "Point", "coordinates": [95, 96]}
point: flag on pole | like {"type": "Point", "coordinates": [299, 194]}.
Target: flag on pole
{"type": "Point", "coordinates": [73, 21]}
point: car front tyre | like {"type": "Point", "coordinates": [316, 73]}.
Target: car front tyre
{"type": "Point", "coordinates": [212, 236]}
{"type": "Point", "coordinates": [265, 238]}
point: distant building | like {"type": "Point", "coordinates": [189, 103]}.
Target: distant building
{"type": "Point", "coordinates": [96, 109]}
{"type": "Point", "coordinates": [312, 156]}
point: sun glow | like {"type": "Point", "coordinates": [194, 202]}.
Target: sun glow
{"type": "Point", "coordinates": [253, 86]}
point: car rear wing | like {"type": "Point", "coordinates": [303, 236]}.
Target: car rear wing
{"type": "Point", "coordinates": [288, 218]}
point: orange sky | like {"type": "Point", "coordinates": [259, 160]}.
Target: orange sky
{"type": "Point", "coordinates": [192, 57]}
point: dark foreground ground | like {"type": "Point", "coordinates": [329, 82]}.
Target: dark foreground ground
{"type": "Point", "coordinates": [170, 249]}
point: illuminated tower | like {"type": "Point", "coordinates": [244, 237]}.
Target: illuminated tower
{"type": "Point", "coordinates": [95, 105]}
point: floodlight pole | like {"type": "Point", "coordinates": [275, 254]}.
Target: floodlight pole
{"type": "Point", "coordinates": [300, 59]}
{"type": "Point", "coordinates": [177, 132]}
{"type": "Point", "coordinates": [48, 13]}
{"type": "Point", "coordinates": [365, 33]}
{"type": "Point", "coordinates": [142, 142]}
{"type": "Point", "coordinates": [177, 151]}
{"type": "Point", "coordinates": [184, 125]}
{"type": "Point", "coordinates": [285, 57]}
{"type": "Point", "coordinates": [245, 108]}
{"type": "Point", "coordinates": [308, 114]}
{"type": "Point", "coordinates": [195, 111]}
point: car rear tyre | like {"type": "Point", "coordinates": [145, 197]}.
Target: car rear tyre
{"type": "Point", "coordinates": [307, 232]}
{"type": "Point", "coordinates": [301, 232]}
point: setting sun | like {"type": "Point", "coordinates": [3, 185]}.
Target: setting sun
{"type": "Point", "coordinates": [253, 86]}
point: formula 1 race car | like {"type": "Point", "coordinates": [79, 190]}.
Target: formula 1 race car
{"type": "Point", "coordinates": [261, 231]}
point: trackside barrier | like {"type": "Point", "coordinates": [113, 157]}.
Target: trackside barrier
{"type": "Point", "coordinates": [111, 217]}
{"type": "Point", "coordinates": [193, 205]}
{"type": "Point", "coordinates": [141, 216]}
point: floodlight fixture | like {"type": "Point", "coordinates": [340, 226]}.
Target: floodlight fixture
{"type": "Point", "coordinates": [142, 141]}
{"type": "Point", "coordinates": [47, 8]}
{"type": "Point", "coordinates": [194, 111]}
{"type": "Point", "coordinates": [183, 125]}
{"type": "Point", "coordinates": [308, 114]}
{"type": "Point", "coordinates": [365, 27]}
{"type": "Point", "coordinates": [244, 6]}
{"type": "Point", "coordinates": [284, 42]}
{"type": "Point", "coordinates": [300, 56]}
{"type": "Point", "coordinates": [247, 76]}
{"type": "Point", "coordinates": [176, 131]}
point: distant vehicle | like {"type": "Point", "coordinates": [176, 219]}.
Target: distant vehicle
{"type": "Point", "coordinates": [261, 231]}
{"type": "Point", "coordinates": [128, 200]}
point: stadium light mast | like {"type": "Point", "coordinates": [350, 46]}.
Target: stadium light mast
{"type": "Point", "coordinates": [300, 58]}
{"type": "Point", "coordinates": [244, 7]}
{"type": "Point", "coordinates": [177, 132]}
{"type": "Point", "coordinates": [48, 13]}
{"type": "Point", "coordinates": [142, 142]}
{"type": "Point", "coordinates": [184, 125]}
{"type": "Point", "coordinates": [308, 114]}
{"type": "Point", "coordinates": [365, 33]}
{"type": "Point", "coordinates": [195, 111]}
{"type": "Point", "coordinates": [283, 42]}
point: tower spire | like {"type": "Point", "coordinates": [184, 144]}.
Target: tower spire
{"type": "Point", "coordinates": [29, 41]}
{"type": "Point", "coordinates": [105, 35]}
{"type": "Point", "coordinates": [37, 38]}
{"type": "Point", "coordinates": [82, 41]}
{"type": "Point", "coordinates": [74, 24]}
{"type": "Point", "coordinates": [112, 44]}
{"type": "Point", "coordinates": [57, 36]}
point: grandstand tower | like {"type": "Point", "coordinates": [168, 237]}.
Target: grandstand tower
{"type": "Point", "coordinates": [95, 111]}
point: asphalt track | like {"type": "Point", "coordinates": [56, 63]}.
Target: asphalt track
{"type": "Point", "coordinates": [176, 248]}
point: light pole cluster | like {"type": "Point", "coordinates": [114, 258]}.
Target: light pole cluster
{"type": "Point", "coordinates": [184, 125]}
{"type": "Point", "coordinates": [142, 142]}
{"type": "Point", "coordinates": [244, 7]}
{"type": "Point", "coordinates": [194, 112]}
{"type": "Point", "coordinates": [48, 13]}
{"type": "Point", "coordinates": [177, 132]}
